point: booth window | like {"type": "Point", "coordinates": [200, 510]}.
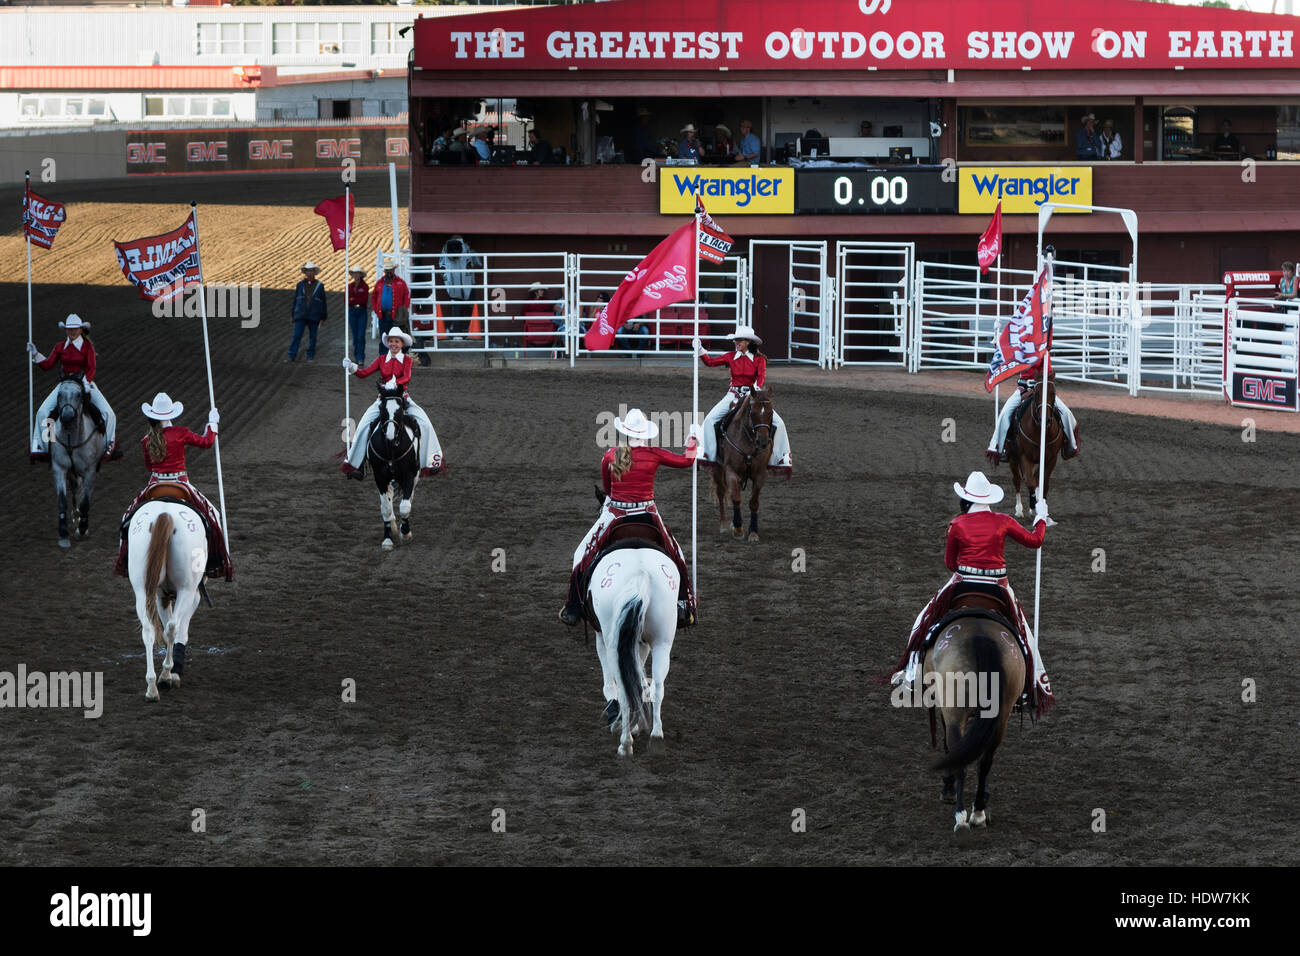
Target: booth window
{"type": "Point", "coordinates": [229, 38]}
{"type": "Point", "coordinates": [995, 125]}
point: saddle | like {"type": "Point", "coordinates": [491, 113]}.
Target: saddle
{"type": "Point", "coordinates": [973, 610]}
{"type": "Point", "coordinates": [169, 491]}
{"type": "Point", "coordinates": [631, 542]}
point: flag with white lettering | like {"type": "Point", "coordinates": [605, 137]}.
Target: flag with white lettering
{"type": "Point", "coordinates": [714, 243]}
{"type": "Point", "coordinates": [665, 276]}
{"type": "Point", "coordinates": [990, 244]}
{"type": "Point", "coordinates": [332, 210]}
{"type": "Point", "coordinates": [41, 219]}
{"type": "Point", "coordinates": [1026, 338]}
{"type": "Point", "coordinates": [161, 267]}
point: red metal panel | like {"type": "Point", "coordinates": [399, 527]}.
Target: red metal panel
{"type": "Point", "coordinates": [135, 77]}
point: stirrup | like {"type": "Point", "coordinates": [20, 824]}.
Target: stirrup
{"type": "Point", "coordinates": [685, 616]}
{"type": "Point", "coordinates": [570, 615]}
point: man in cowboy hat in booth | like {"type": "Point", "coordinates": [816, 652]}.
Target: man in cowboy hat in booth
{"type": "Point", "coordinates": [308, 311]}
{"type": "Point", "coordinates": [689, 147]}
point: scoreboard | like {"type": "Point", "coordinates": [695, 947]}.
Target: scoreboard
{"type": "Point", "coordinates": [897, 189]}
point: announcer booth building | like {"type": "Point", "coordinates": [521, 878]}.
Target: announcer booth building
{"type": "Point", "coordinates": [886, 131]}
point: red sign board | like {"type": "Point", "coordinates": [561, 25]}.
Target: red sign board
{"type": "Point", "coordinates": [856, 35]}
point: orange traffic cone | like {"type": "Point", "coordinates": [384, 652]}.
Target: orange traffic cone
{"type": "Point", "coordinates": [442, 330]}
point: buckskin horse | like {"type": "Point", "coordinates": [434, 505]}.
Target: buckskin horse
{"type": "Point", "coordinates": [76, 448]}
{"type": "Point", "coordinates": [744, 449]}
{"type": "Point", "coordinates": [167, 556]}
{"type": "Point", "coordinates": [394, 456]}
{"type": "Point", "coordinates": [1023, 448]}
{"type": "Point", "coordinates": [977, 669]}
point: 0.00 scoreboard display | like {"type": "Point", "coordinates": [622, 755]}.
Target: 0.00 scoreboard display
{"type": "Point", "coordinates": [884, 190]}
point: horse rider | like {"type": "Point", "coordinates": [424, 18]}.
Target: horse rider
{"type": "Point", "coordinates": [395, 367]}
{"type": "Point", "coordinates": [164, 454]}
{"type": "Point", "coordinates": [748, 368]}
{"type": "Point", "coordinates": [975, 556]}
{"type": "Point", "coordinates": [628, 476]}
{"type": "Point", "coordinates": [75, 355]}
{"type": "Point", "coordinates": [996, 452]}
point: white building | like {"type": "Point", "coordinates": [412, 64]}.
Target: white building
{"type": "Point", "coordinates": [69, 66]}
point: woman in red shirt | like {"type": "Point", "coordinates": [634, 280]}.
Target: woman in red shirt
{"type": "Point", "coordinates": [974, 554]}
{"type": "Point", "coordinates": [748, 371]}
{"type": "Point", "coordinates": [75, 354]}
{"type": "Point", "coordinates": [164, 454]}
{"type": "Point", "coordinates": [628, 476]}
{"type": "Point", "coordinates": [394, 368]}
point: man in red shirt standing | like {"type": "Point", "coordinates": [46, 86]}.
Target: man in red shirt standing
{"type": "Point", "coordinates": [358, 299]}
{"type": "Point", "coordinates": [390, 300]}
{"type": "Point", "coordinates": [974, 555]}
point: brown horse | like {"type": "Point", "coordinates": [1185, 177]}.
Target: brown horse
{"type": "Point", "coordinates": [744, 449]}
{"type": "Point", "coordinates": [977, 671]}
{"type": "Point", "coordinates": [1024, 453]}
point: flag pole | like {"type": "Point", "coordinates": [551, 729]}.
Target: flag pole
{"type": "Point", "coordinates": [31, 380]}
{"type": "Point", "coordinates": [997, 330]}
{"type": "Point", "coordinates": [347, 314]}
{"type": "Point", "coordinates": [207, 358]}
{"type": "Point", "coordinates": [695, 405]}
{"type": "Point", "coordinates": [1042, 431]}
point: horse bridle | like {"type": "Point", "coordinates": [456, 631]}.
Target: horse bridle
{"type": "Point", "coordinates": [1035, 408]}
{"type": "Point", "coordinates": [58, 416]}
{"type": "Point", "coordinates": [370, 443]}
{"type": "Point", "coordinates": [748, 430]}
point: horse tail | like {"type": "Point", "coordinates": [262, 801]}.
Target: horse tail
{"type": "Point", "coordinates": [155, 566]}
{"type": "Point", "coordinates": [980, 729]}
{"type": "Point", "coordinates": [630, 624]}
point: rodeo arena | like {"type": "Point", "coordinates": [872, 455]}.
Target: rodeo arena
{"type": "Point", "coordinates": [961, 337]}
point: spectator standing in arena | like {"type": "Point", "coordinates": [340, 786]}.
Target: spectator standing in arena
{"type": "Point", "coordinates": [748, 150]}
{"type": "Point", "coordinates": [308, 312]}
{"type": "Point", "coordinates": [1087, 144]}
{"type": "Point", "coordinates": [689, 147]}
{"type": "Point", "coordinates": [1111, 143]}
{"type": "Point", "coordinates": [358, 299]}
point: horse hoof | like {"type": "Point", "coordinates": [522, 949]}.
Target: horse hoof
{"type": "Point", "coordinates": [408, 535]}
{"type": "Point", "coordinates": [723, 528]}
{"type": "Point", "coordinates": [64, 543]}
{"type": "Point", "coordinates": [1020, 511]}
{"type": "Point", "coordinates": [175, 680]}
{"type": "Point", "coordinates": [388, 544]}
{"type": "Point", "coordinates": [961, 831]}
{"type": "Point", "coordinates": [151, 694]}
{"type": "Point", "coordinates": [752, 536]}
{"type": "Point", "coordinates": [624, 750]}
{"type": "Point", "coordinates": [980, 819]}
{"type": "Point", "coordinates": [737, 533]}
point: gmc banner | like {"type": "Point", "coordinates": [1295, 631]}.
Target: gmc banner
{"type": "Point", "coordinates": [1262, 390]}
{"type": "Point", "coordinates": [856, 35]}
{"type": "Point", "coordinates": [168, 152]}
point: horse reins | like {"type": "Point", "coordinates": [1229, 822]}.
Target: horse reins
{"type": "Point", "coordinates": [750, 431]}
{"type": "Point", "coordinates": [59, 417]}
{"type": "Point", "coordinates": [370, 444]}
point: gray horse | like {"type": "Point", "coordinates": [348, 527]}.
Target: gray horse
{"type": "Point", "coordinates": [76, 450]}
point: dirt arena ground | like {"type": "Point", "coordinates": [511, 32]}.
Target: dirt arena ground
{"type": "Point", "coordinates": [471, 698]}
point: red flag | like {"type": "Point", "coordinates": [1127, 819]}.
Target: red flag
{"type": "Point", "coordinates": [41, 219]}
{"type": "Point", "coordinates": [666, 275]}
{"type": "Point", "coordinates": [332, 210]}
{"type": "Point", "coordinates": [162, 266]}
{"type": "Point", "coordinates": [990, 245]}
{"type": "Point", "coordinates": [714, 243]}
{"type": "Point", "coordinates": [1025, 339]}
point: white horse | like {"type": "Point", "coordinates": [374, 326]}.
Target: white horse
{"type": "Point", "coordinates": [76, 447]}
{"type": "Point", "coordinates": [634, 597]}
{"type": "Point", "coordinates": [168, 555]}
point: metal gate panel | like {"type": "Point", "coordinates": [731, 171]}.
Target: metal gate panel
{"type": "Point", "coordinates": [809, 335]}
{"type": "Point", "coordinates": [873, 302]}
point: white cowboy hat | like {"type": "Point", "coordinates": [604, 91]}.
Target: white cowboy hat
{"type": "Point", "coordinates": [689, 128]}
{"type": "Point", "coordinates": [636, 425]}
{"type": "Point", "coordinates": [163, 409]}
{"type": "Point", "coordinates": [310, 267]}
{"type": "Point", "coordinates": [746, 332]}
{"type": "Point", "coordinates": [390, 262]}
{"type": "Point", "coordinates": [356, 269]}
{"type": "Point", "coordinates": [642, 111]}
{"type": "Point", "coordinates": [978, 490]}
{"type": "Point", "coordinates": [395, 331]}
{"type": "Point", "coordinates": [724, 127]}
{"type": "Point", "coordinates": [535, 286]}
{"type": "Point", "coordinates": [73, 321]}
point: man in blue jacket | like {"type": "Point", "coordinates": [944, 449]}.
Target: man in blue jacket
{"type": "Point", "coordinates": [308, 311]}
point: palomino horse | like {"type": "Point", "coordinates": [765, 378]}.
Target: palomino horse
{"type": "Point", "coordinates": [978, 670]}
{"type": "Point", "coordinates": [744, 449]}
{"type": "Point", "coordinates": [394, 456]}
{"type": "Point", "coordinates": [167, 552]}
{"type": "Point", "coordinates": [76, 448]}
{"type": "Point", "coordinates": [1024, 453]}
{"type": "Point", "coordinates": [633, 595]}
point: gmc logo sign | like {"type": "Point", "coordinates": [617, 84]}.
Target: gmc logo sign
{"type": "Point", "coordinates": [1264, 390]}
{"type": "Point", "coordinates": [338, 148]}
{"type": "Point", "coordinates": [270, 149]}
{"type": "Point", "coordinates": [137, 153]}
{"type": "Point", "coordinates": [397, 146]}
{"type": "Point", "coordinates": [212, 151]}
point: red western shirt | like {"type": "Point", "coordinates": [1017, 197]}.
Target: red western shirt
{"type": "Point", "coordinates": [389, 367]}
{"type": "Point", "coordinates": [638, 484]}
{"type": "Point", "coordinates": [358, 292]}
{"type": "Point", "coordinates": [534, 308]}
{"type": "Point", "coordinates": [177, 438]}
{"type": "Point", "coordinates": [401, 294]}
{"type": "Point", "coordinates": [746, 370]}
{"type": "Point", "coordinates": [74, 359]}
{"type": "Point", "coordinates": [976, 539]}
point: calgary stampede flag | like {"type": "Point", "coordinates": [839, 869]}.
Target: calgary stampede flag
{"type": "Point", "coordinates": [1025, 338]}
{"type": "Point", "coordinates": [990, 244]}
{"type": "Point", "coordinates": [162, 266]}
{"type": "Point", "coordinates": [714, 243]}
{"type": "Point", "coordinates": [332, 210]}
{"type": "Point", "coordinates": [41, 219]}
{"type": "Point", "coordinates": [665, 276]}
